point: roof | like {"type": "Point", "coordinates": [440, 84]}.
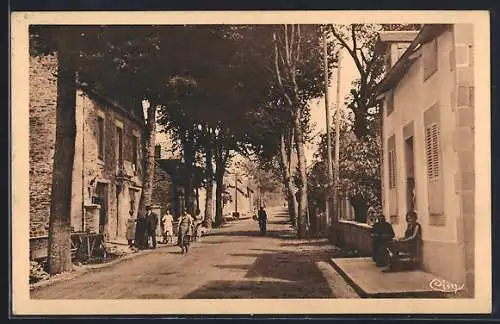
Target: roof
{"type": "Point", "coordinates": [132, 113]}
{"type": "Point", "coordinates": [398, 36]}
{"type": "Point", "coordinates": [397, 72]}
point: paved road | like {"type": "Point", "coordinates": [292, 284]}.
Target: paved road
{"type": "Point", "coordinates": [231, 262]}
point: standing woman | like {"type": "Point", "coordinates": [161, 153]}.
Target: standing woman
{"type": "Point", "coordinates": [131, 229]}
{"type": "Point", "coordinates": [185, 231]}
{"type": "Point", "coordinates": [168, 227]}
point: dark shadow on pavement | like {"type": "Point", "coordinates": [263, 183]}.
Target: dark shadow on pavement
{"type": "Point", "coordinates": [257, 289]}
{"type": "Point", "coordinates": [309, 243]}
{"type": "Point", "coordinates": [281, 222]}
{"type": "Point", "coordinates": [245, 254]}
{"type": "Point", "coordinates": [265, 250]}
{"type": "Point", "coordinates": [274, 274]}
{"type": "Point", "coordinates": [280, 234]}
{"type": "Point", "coordinates": [234, 266]}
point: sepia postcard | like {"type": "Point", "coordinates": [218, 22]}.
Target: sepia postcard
{"type": "Point", "coordinates": [250, 162]}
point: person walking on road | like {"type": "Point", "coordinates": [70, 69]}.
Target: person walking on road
{"type": "Point", "coordinates": [168, 227]}
{"type": "Point", "coordinates": [262, 220]}
{"type": "Point", "coordinates": [152, 224]}
{"type": "Point", "coordinates": [185, 231]}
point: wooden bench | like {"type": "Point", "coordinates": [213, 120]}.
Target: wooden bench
{"type": "Point", "coordinates": [405, 258]}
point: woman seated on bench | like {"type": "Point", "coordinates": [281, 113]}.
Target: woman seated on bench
{"type": "Point", "coordinates": [409, 244]}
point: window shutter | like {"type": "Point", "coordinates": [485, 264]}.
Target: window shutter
{"type": "Point", "coordinates": [432, 138]}
{"type": "Point", "coordinates": [435, 150]}
{"type": "Point", "coordinates": [392, 168]}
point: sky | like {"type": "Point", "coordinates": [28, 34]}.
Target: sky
{"type": "Point", "coordinates": [348, 74]}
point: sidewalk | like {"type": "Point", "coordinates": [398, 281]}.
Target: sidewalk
{"type": "Point", "coordinates": [117, 245]}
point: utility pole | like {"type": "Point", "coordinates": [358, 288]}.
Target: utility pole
{"type": "Point", "coordinates": [236, 192]}
{"type": "Point", "coordinates": [337, 140]}
{"type": "Point", "coordinates": [328, 131]}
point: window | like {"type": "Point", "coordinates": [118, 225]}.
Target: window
{"type": "Point", "coordinates": [432, 150]}
{"type": "Point", "coordinates": [157, 152]}
{"type": "Point", "coordinates": [390, 102]}
{"type": "Point", "coordinates": [119, 144]}
{"type": "Point", "coordinates": [392, 169]}
{"type": "Point", "coordinates": [100, 138]}
{"type": "Point", "coordinates": [133, 144]}
{"type": "Point", "coordinates": [430, 58]}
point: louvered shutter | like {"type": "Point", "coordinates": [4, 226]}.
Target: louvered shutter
{"type": "Point", "coordinates": [392, 169]}
{"type": "Point", "coordinates": [435, 181]}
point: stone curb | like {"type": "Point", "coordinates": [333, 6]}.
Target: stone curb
{"type": "Point", "coordinates": [76, 273]}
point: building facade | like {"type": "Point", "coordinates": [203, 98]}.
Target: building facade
{"type": "Point", "coordinates": [428, 145]}
{"type": "Point", "coordinates": [107, 176]}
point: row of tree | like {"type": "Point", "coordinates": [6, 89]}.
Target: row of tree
{"type": "Point", "coordinates": [217, 89]}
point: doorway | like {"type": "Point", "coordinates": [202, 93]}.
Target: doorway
{"type": "Point", "coordinates": [411, 198]}
{"type": "Point", "coordinates": [102, 200]}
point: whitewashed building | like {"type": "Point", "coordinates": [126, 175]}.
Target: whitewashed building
{"type": "Point", "coordinates": [428, 144]}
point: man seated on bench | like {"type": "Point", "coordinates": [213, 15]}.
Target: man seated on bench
{"type": "Point", "coordinates": [409, 245]}
{"type": "Point", "coordinates": [382, 235]}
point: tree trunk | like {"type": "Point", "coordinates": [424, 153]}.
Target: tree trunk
{"type": "Point", "coordinates": [287, 179]}
{"type": "Point", "coordinates": [301, 159]}
{"type": "Point", "coordinates": [209, 190]}
{"type": "Point", "coordinates": [360, 209]}
{"type": "Point", "coordinates": [148, 153]}
{"type": "Point", "coordinates": [149, 139]}
{"type": "Point", "coordinates": [219, 180]}
{"type": "Point", "coordinates": [59, 249]}
{"type": "Point", "coordinates": [188, 149]}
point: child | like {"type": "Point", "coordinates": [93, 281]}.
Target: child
{"type": "Point", "coordinates": [131, 229]}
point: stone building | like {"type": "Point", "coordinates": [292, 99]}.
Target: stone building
{"type": "Point", "coordinates": [428, 144]}
{"type": "Point", "coordinates": [107, 178]}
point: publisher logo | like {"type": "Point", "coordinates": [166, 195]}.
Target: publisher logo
{"type": "Point", "coordinates": [445, 286]}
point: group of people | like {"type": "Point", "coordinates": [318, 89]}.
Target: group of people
{"type": "Point", "coordinates": [142, 231]}
{"type": "Point", "coordinates": [386, 248]}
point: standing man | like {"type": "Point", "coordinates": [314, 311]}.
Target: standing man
{"type": "Point", "coordinates": [262, 219]}
{"type": "Point", "coordinates": [152, 223]}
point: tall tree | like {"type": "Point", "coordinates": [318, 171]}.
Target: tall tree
{"type": "Point", "coordinates": [360, 40]}
{"type": "Point", "coordinates": [59, 255]}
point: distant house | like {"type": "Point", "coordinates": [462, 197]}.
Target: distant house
{"type": "Point", "coordinates": [107, 177]}
{"type": "Point", "coordinates": [428, 143]}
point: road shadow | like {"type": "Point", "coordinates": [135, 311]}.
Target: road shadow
{"type": "Point", "coordinates": [247, 255]}
{"type": "Point", "coordinates": [324, 243]}
{"type": "Point", "coordinates": [233, 266]}
{"type": "Point", "coordinates": [280, 222]}
{"type": "Point", "coordinates": [273, 274]}
{"type": "Point", "coordinates": [220, 289]}
{"type": "Point", "coordinates": [279, 234]}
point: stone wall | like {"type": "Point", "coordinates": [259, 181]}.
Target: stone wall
{"type": "Point", "coordinates": [464, 147]}
{"type": "Point", "coordinates": [88, 168]}
{"type": "Point", "coordinates": [42, 115]}
{"type": "Point", "coordinates": [103, 171]}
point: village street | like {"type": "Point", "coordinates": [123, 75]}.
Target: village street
{"type": "Point", "coordinates": [232, 262]}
